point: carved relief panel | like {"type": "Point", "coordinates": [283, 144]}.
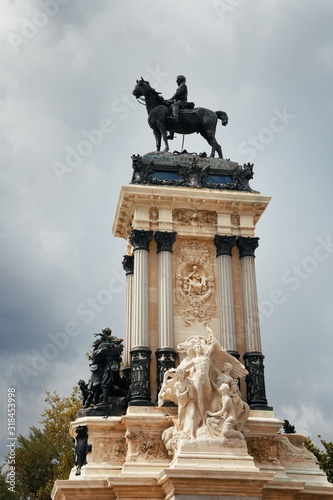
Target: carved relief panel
{"type": "Point", "coordinates": [145, 446]}
{"type": "Point", "coordinates": [195, 282]}
{"type": "Point", "coordinates": [263, 449]}
{"type": "Point", "coordinates": [110, 450]}
{"type": "Point", "coordinates": [195, 217]}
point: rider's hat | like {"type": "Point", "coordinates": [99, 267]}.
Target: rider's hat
{"type": "Point", "coordinates": [181, 78]}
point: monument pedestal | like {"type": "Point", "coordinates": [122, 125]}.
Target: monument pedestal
{"type": "Point", "coordinates": [189, 225]}
{"type": "Point", "coordinates": [129, 461]}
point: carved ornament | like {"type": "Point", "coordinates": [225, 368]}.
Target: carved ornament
{"type": "Point", "coordinates": [153, 214]}
{"type": "Point", "coordinates": [144, 446]}
{"type": "Point", "coordinates": [263, 449]}
{"type": "Point", "coordinates": [111, 450]}
{"type": "Point", "coordinates": [195, 217]}
{"type": "Point", "coordinates": [287, 451]}
{"type": "Point", "coordinates": [195, 286]}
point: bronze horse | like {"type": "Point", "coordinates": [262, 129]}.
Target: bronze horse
{"type": "Point", "coordinates": [199, 120]}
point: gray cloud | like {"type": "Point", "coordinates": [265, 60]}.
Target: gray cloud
{"type": "Point", "coordinates": [74, 75]}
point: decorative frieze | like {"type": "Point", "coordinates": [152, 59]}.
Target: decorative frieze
{"type": "Point", "coordinates": [144, 446]}
{"type": "Point", "coordinates": [153, 214]}
{"type": "Point", "coordinates": [110, 450]}
{"type": "Point", "coordinates": [263, 449]}
{"type": "Point", "coordinates": [195, 217]}
{"type": "Point", "coordinates": [235, 220]}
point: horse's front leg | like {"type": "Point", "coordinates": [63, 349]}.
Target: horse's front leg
{"type": "Point", "coordinates": [165, 139]}
{"type": "Point", "coordinates": [157, 135]}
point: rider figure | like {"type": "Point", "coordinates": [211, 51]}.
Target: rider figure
{"type": "Point", "coordinates": [179, 99]}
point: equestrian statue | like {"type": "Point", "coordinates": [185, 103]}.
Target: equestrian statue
{"type": "Point", "coordinates": [176, 115]}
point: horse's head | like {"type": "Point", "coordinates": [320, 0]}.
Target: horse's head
{"type": "Point", "coordinates": [141, 88]}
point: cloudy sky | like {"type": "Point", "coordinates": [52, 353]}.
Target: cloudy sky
{"type": "Point", "coordinates": [69, 125]}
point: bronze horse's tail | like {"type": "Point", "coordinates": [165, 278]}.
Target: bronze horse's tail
{"type": "Point", "coordinates": [222, 116]}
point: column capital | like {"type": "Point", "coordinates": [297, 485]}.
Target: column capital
{"type": "Point", "coordinates": [224, 244]}
{"type": "Point", "coordinates": [165, 240]}
{"type": "Point", "coordinates": [140, 239]}
{"type": "Point", "coordinates": [247, 246]}
{"type": "Point", "coordinates": [128, 264]}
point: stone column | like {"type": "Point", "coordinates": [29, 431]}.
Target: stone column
{"type": "Point", "coordinates": [128, 266]}
{"type": "Point", "coordinates": [227, 339]}
{"type": "Point", "coordinates": [140, 352]}
{"type": "Point", "coordinates": [253, 357]}
{"type": "Point", "coordinates": [165, 354]}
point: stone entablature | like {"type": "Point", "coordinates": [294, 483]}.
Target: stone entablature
{"type": "Point", "coordinates": [187, 211]}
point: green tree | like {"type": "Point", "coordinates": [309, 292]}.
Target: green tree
{"type": "Point", "coordinates": [47, 453]}
{"type": "Point", "coordinates": [56, 420]}
{"type": "Point", "coordinates": [324, 456]}
{"type": "Point", "coordinates": [34, 456]}
{"type": "Point", "coordinates": [5, 493]}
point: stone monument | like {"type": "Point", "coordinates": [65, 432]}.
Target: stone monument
{"type": "Point", "coordinates": [194, 421]}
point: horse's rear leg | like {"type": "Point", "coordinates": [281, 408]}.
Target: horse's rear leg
{"type": "Point", "coordinates": [209, 135]}
{"type": "Point", "coordinates": [215, 147]}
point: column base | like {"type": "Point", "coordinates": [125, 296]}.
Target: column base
{"type": "Point", "coordinates": [140, 381]}
{"type": "Point", "coordinates": [141, 402]}
{"type": "Point", "coordinates": [255, 381]}
{"type": "Point", "coordinates": [165, 359]}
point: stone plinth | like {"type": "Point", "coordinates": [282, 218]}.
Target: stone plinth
{"type": "Point", "coordinates": [210, 484]}
{"type": "Point", "coordinates": [128, 461]}
{"type": "Point", "coordinates": [146, 453]}
{"type": "Point", "coordinates": [207, 453]}
{"type": "Point", "coordinates": [106, 436]}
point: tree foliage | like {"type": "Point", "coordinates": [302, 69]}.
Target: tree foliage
{"type": "Point", "coordinates": [5, 494]}
{"type": "Point", "coordinates": [324, 456]}
{"type": "Point", "coordinates": [47, 453]}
